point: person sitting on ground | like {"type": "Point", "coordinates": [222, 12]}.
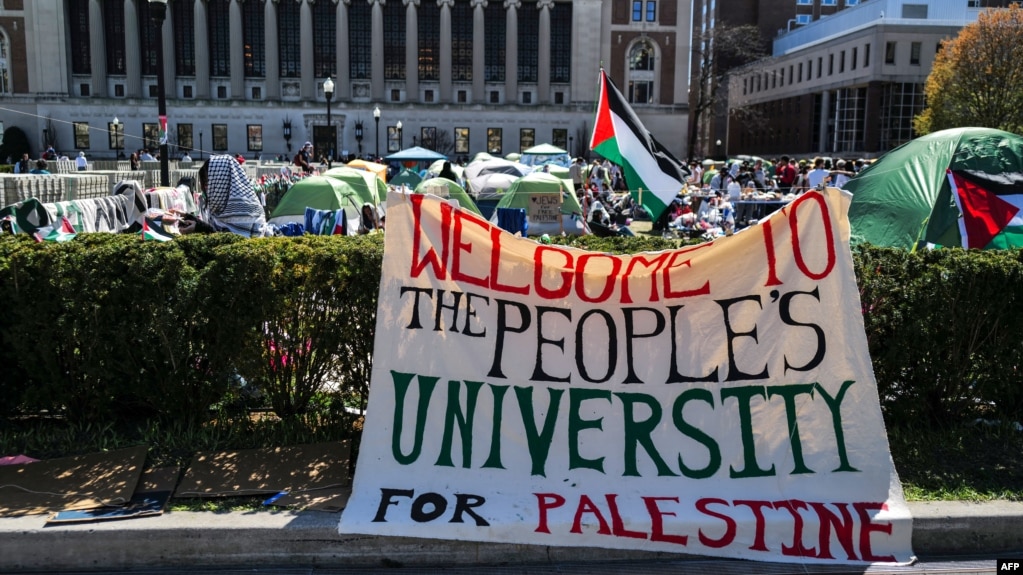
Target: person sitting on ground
{"type": "Point", "coordinates": [230, 202]}
{"type": "Point", "coordinates": [40, 168]}
{"type": "Point", "coordinates": [368, 221]}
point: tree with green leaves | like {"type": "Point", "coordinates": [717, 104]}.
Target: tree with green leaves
{"type": "Point", "coordinates": [977, 76]}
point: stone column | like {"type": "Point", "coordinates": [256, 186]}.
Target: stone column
{"type": "Point", "coordinates": [170, 78]}
{"type": "Point", "coordinates": [202, 52]}
{"type": "Point", "coordinates": [511, 51]}
{"type": "Point", "coordinates": [543, 69]}
{"type": "Point", "coordinates": [445, 49]}
{"type": "Point", "coordinates": [478, 50]}
{"type": "Point", "coordinates": [411, 50]}
{"type": "Point", "coordinates": [132, 55]}
{"type": "Point", "coordinates": [343, 82]}
{"type": "Point", "coordinates": [306, 56]}
{"type": "Point", "coordinates": [97, 49]}
{"type": "Point", "coordinates": [376, 54]}
{"type": "Point", "coordinates": [237, 53]}
{"type": "Point", "coordinates": [273, 57]}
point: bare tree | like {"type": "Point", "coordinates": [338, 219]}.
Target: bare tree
{"type": "Point", "coordinates": [716, 52]}
{"type": "Point", "coordinates": [444, 143]}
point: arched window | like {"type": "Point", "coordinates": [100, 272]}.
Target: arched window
{"type": "Point", "coordinates": [642, 72]}
{"type": "Point", "coordinates": [5, 63]}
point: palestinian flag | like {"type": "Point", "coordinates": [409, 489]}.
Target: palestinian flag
{"type": "Point", "coordinates": [153, 230]}
{"type": "Point", "coordinates": [61, 231]}
{"type": "Point", "coordinates": [990, 205]}
{"type": "Point", "coordinates": [619, 136]}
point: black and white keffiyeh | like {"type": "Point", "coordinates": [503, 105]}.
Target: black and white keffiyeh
{"type": "Point", "coordinates": [231, 201]}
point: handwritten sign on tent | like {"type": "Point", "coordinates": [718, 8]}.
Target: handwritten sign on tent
{"type": "Point", "coordinates": [712, 400]}
{"type": "Point", "coordinates": [544, 208]}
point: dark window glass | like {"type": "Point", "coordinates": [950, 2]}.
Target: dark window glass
{"type": "Point", "coordinates": [428, 137]}
{"type": "Point", "coordinates": [253, 36]}
{"type": "Point", "coordinates": [529, 41]}
{"type": "Point", "coordinates": [78, 26]}
{"type": "Point", "coordinates": [527, 138]}
{"type": "Point", "coordinates": [255, 137]}
{"type": "Point", "coordinates": [81, 135]}
{"type": "Point", "coordinates": [360, 39]}
{"type": "Point", "coordinates": [559, 138]}
{"type": "Point", "coordinates": [183, 14]}
{"type": "Point", "coordinates": [289, 38]}
{"type": "Point", "coordinates": [461, 140]}
{"type": "Point", "coordinates": [561, 43]}
{"type": "Point", "coordinates": [914, 53]}
{"type": "Point", "coordinates": [394, 46]}
{"type": "Point", "coordinates": [148, 37]}
{"type": "Point", "coordinates": [151, 136]}
{"type": "Point", "coordinates": [113, 31]}
{"type": "Point", "coordinates": [185, 137]}
{"type": "Point", "coordinates": [429, 41]}
{"type": "Point", "coordinates": [217, 16]}
{"type": "Point", "coordinates": [493, 62]}
{"type": "Point", "coordinates": [494, 140]}
{"type": "Point", "coordinates": [866, 55]}
{"type": "Point", "coordinates": [889, 53]}
{"type": "Point", "coordinates": [324, 40]}
{"type": "Point", "coordinates": [220, 137]}
{"type": "Point", "coordinates": [461, 42]}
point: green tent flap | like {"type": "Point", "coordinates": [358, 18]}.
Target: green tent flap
{"type": "Point", "coordinates": [904, 199]}
{"type": "Point", "coordinates": [369, 188]}
{"type": "Point", "coordinates": [437, 186]}
{"type": "Point", "coordinates": [318, 192]}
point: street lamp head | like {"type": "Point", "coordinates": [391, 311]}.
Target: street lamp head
{"type": "Point", "coordinates": [328, 87]}
{"type": "Point", "coordinates": [718, 142]}
{"type": "Point", "coordinates": [398, 125]}
{"type": "Point", "coordinates": [376, 112]}
{"type": "Point", "coordinates": [164, 2]}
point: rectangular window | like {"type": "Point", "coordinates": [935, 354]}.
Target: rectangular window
{"type": "Point", "coordinates": [428, 96]}
{"type": "Point", "coordinates": [973, 3]}
{"type": "Point", "coordinates": [866, 55]}
{"type": "Point", "coordinates": [462, 97]}
{"type": "Point", "coordinates": [116, 135]}
{"type": "Point", "coordinates": [220, 137]}
{"type": "Point", "coordinates": [395, 95]}
{"type": "Point", "coordinates": [914, 53]}
{"type": "Point", "coordinates": [495, 97]}
{"type": "Point", "coordinates": [637, 10]}
{"type": "Point", "coordinates": [428, 137]}
{"type": "Point", "coordinates": [185, 137]}
{"type": "Point", "coordinates": [803, 18]}
{"type": "Point", "coordinates": [186, 92]}
{"type": "Point", "coordinates": [851, 2]}
{"type": "Point", "coordinates": [255, 137]}
{"type": "Point", "coordinates": [889, 53]}
{"type": "Point", "coordinates": [829, 2]}
{"type": "Point", "coordinates": [831, 64]}
{"type": "Point", "coordinates": [494, 140]}
{"type": "Point", "coordinates": [651, 10]}
{"type": "Point", "coordinates": [527, 97]}
{"type": "Point", "coordinates": [153, 93]}
{"type": "Point", "coordinates": [461, 140]}
{"type": "Point", "coordinates": [559, 97]}
{"type": "Point", "coordinates": [222, 92]}
{"type": "Point", "coordinates": [150, 136]}
{"type": "Point", "coordinates": [119, 90]}
{"type": "Point", "coordinates": [820, 66]}
{"type": "Point", "coordinates": [81, 135]}
{"type": "Point", "coordinates": [393, 144]}
{"type": "Point", "coordinates": [800, 76]}
{"type": "Point", "coordinates": [841, 62]}
{"type": "Point", "coordinates": [253, 40]}
{"type": "Point", "coordinates": [804, 2]}
{"type": "Point", "coordinates": [527, 138]}
{"type": "Point", "coordinates": [918, 11]}
{"type": "Point", "coordinates": [84, 89]}
{"type": "Point", "coordinates": [559, 138]}
{"type": "Point", "coordinates": [854, 57]}
{"type": "Point", "coordinates": [257, 93]}
{"type": "Point", "coordinates": [790, 73]}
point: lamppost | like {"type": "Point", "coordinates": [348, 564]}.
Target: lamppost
{"type": "Point", "coordinates": [159, 12]}
{"type": "Point", "coordinates": [571, 148]}
{"type": "Point", "coordinates": [200, 145]}
{"type": "Point", "coordinates": [328, 93]}
{"type": "Point", "coordinates": [118, 138]}
{"type": "Point", "coordinates": [718, 143]}
{"type": "Point", "coordinates": [358, 136]}
{"type": "Point", "coordinates": [287, 133]}
{"type": "Point", "coordinates": [376, 118]}
{"type": "Point", "coordinates": [400, 141]}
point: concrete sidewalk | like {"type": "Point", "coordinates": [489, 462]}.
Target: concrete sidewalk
{"type": "Point", "coordinates": [310, 538]}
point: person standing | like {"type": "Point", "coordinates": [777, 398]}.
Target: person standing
{"type": "Point", "coordinates": [818, 175]}
{"type": "Point", "coordinates": [23, 165]}
{"type": "Point", "coordinates": [786, 174]}
{"type": "Point", "coordinates": [81, 162]}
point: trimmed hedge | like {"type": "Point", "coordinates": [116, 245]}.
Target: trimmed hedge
{"type": "Point", "coordinates": [109, 328]}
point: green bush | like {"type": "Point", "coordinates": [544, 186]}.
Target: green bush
{"type": "Point", "coordinates": [109, 328]}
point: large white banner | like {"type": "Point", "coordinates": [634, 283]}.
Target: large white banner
{"type": "Point", "coordinates": [715, 400]}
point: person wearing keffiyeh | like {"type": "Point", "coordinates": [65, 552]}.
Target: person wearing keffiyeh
{"type": "Point", "coordinates": [230, 202]}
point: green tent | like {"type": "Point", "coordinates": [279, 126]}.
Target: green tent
{"type": "Point", "coordinates": [538, 183]}
{"type": "Point", "coordinates": [407, 177]}
{"type": "Point", "coordinates": [906, 198]}
{"type": "Point", "coordinates": [445, 188]}
{"type": "Point", "coordinates": [318, 192]}
{"type": "Point", "coordinates": [369, 188]}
